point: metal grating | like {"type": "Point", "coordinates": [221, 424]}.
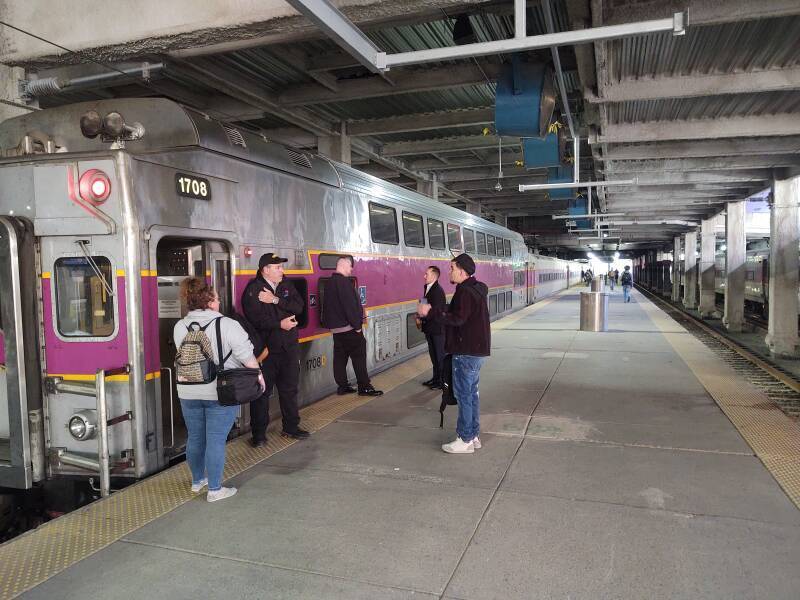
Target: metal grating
{"type": "Point", "coordinates": [235, 136]}
{"type": "Point", "coordinates": [298, 158]}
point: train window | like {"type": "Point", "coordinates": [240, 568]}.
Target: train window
{"type": "Point", "coordinates": [492, 305]}
{"type": "Point", "coordinates": [507, 247]}
{"type": "Point", "coordinates": [499, 247]}
{"type": "Point", "coordinates": [490, 248]}
{"type": "Point", "coordinates": [84, 296]}
{"type": "Point", "coordinates": [481, 243]}
{"type": "Point", "coordinates": [454, 237]}
{"type": "Point", "coordinates": [301, 285]}
{"type": "Point", "coordinates": [501, 302]}
{"type": "Point", "coordinates": [328, 261]}
{"type": "Point", "coordinates": [413, 231]}
{"type": "Point", "coordinates": [383, 224]}
{"type": "Point", "coordinates": [509, 295]}
{"type": "Point", "coordinates": [469, 240]}
{"type": "Point", "coordinates": [750, 275]}
{"type": "Point", "coordinates": [436, 234]}
{"type": "Point", "coordinates": [414, 337]}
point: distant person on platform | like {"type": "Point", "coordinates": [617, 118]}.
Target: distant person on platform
{"type": "Point", "coordinates": [431, 325]}
{"type": "Point", "coordinates": [627, 283]}
{"type": "Point", "coordinates": [468, 339]}
{"type": "Point", "coordinates": [343, 315]}
{"type": "Point", "coordinates": [610, 279]}
{"type": "Point", "coordinates": [272, 304]}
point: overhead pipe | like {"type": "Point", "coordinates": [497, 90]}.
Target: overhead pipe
{"type": "Point", "coordinates": [52, 86]}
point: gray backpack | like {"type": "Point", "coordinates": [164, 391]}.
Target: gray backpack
{"type": "Point", "coordinates": [194, 362]}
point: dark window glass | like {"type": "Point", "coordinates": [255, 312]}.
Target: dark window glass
{"type": "Point", "coordinates": [499, 247]}
{"type": "Point", "coordinates": [436, 234]}
{"type": "Point", "coordinates": [454, 237]}
{"type": "Point", "coordinates": [414, 337]}
{"type": "Point", "coordinates": [328, 261]}
{"type": "Point", "coordinates": [490, 244]}
{"type": "Point", "coordinates": [509, 296]}
{"type": "Point", "coordinates": [383, 224]}
{"type": "Point", "coordinates": [413, 231]}
{"type": "Point", "coordinates": [492, 305]}
{"type": "Point", "coordinates": [469, 240]}
{"type": "Point", "coordinates": [481, 243]}
{"type": "Point", "coordinates": [501, 302]}
{"type": "Point", "coordinates": [301, 285]}
{"type": "Point", "coordinates": [84, 297]}
{"type": "Point", "coordinates": [507, 247]}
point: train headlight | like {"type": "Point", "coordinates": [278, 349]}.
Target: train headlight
{"type": "Point", "coordinates": [82, 425]}
{"type": "Point", "coordinates": [94, 186]}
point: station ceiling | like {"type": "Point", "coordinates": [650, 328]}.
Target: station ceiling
{"type": "Point", "coordinates": [697, 120]}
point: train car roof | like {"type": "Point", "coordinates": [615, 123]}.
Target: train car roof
{"type": "Point", "coordinates": [169, 125]}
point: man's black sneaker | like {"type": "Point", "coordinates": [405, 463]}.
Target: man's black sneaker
{"type": "Point", "coordinates": [370, 391]}
{"type": "Point", "coordinates": [298, 434]}
{"type": "Point", "coordinates": [346, 390]}
{"type": "Point", "coordinates": [436, 385]}
{"type": "Point", "coordinates": [429, 382]}
{"type": "Point", "coordinates": [258, 443]}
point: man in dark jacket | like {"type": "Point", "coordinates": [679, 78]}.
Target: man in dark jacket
{"type": "Point", "coordinates": [468, 339]}
{"type": "Point", "coordinates": [343, 315]}
{"type": "Point", "coordinates": [272, 305]}
{"type": "Point", "coordinates": [432, 326]}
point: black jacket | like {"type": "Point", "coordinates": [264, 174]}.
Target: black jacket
{"type": "Point", "coordinates": [432, 324]}
{"type": "Point", "coordinates": [266, 318]}
{"type": "Point", "coordinates": [341, 305]}
{"type": "Point", "coordinates": [466, 320]}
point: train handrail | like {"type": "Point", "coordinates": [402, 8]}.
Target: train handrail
{"type": "Point", "coordinates": [102, 424]}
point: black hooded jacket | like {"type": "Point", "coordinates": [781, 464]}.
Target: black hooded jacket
{"type": "Point", "coordinates": [466, 320]}
{"type": "Point", "coordinates": [266, 318]}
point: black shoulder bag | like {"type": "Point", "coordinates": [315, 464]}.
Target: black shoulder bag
{"type": "Point", "coordinates": [235, 386]}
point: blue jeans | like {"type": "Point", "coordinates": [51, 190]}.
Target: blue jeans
{"type": "Point", "coordinates": [208, 423]}
{"type": "Point", "coordinates": [626, 293]}
{"type": "Point", "coordinates": [466, 375]}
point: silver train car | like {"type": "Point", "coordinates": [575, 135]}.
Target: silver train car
{"type": "Point", "coordinates": [105, 207]}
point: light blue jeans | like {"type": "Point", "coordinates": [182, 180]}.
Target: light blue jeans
{"type": "Point", "coordinates": [466, 376]}
{"type": "Point", "coordinates": [208, 423]}
{"type": "Point", "coordinates": [626, 293]}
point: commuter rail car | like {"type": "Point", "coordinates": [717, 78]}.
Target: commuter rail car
{"type": "Point", "coordinates": [105, 207]}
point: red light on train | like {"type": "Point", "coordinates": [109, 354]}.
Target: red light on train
{"type": "Point", "coordinates": [94, 186]}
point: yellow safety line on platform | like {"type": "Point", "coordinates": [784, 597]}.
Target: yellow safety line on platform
{"type": "Point", "coordinates": [38, 555]}
{"type": "Point", "coordinates": [773, 436]}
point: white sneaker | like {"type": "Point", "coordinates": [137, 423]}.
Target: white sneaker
{"type": "Point", "coordinates": [220, 494]}
{"type": "Point", "coordinates": [458, 446]}
{"type": "Point", "coordinates": [196, 487]}
{"type": "Point", "coordinates": [476, 443]}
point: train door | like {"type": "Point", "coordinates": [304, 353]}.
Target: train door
{"type": "Point", "coordinates": [530, 283]}
{"type": "Point", "coordinates": [177, 259]}
{"type": "Point", "coordinates": [21, 449]}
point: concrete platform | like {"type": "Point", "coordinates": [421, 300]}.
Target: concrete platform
{"type": "Point", "coordinates": [607, 471]}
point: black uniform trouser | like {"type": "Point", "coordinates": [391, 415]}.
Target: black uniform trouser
{"type": "Point", "coordinates": [436, 350]}
{"type": "Point", "coordinates": [350, 345]}
{"type": "Point", "coordinates": [282, 370]}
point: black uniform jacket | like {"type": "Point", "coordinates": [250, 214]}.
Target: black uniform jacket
{"type": "Point", "coordinates": [266, 318]}
{"type": "Point", "coordinates": [341, 306]}
{"type": "Point", "coordinates": [432, 324]}
{"type": "Point", "coordinates": [466, 320]}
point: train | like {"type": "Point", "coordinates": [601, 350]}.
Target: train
{"type": "Point", "coordinates": [106, 206]}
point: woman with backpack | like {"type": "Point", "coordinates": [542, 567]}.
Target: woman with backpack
{"type": "Point", "coordinates": [196, 365]}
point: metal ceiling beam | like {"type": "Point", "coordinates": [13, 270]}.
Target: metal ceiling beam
{"type": "Point", "coordinates": [673, 178]}
{"type": "Point", "coordinates": [704, 148]}
{"type": "Point", "coordinates": [488, 184]}
{"type": "Point", "coordinates": [705, 129]}
{"type": "Point", "coordinates": [764, 161]}
{"type": "Point", "coordinates": [422, 122]}
{"type": "Point", "coordinates": [489, 173]}
{"type": "Point", "coordinates": [695, 86]}
{"type": "Point", "coordinates": [472, 142]}
{"type": "Point", "coordinates": [466, 162]}
{"type": "Point", "coordinates": [339, 28]}
{"type": "Point", "coordinates": [702, 12]}
{"type": "Point", "coordinates": [404, 81]}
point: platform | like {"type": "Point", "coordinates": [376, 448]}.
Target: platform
{"type": "Point", "coordinates": [608, 470]}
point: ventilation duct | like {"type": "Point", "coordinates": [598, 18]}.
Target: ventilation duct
{"type": "Point", "coordinates": [525, 99]}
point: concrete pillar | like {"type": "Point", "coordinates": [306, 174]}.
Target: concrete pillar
{"type": "Point", "coordinates": [676, 275]}
{"type": "Point", "coordinates": [12, 104]}
{"type": "Point", "coordinates": [735, 257]}
{"type": "Point", "coordinates": [429, 188]}
{"type": "Point", "coordinates": [783, 264]}
{"type": "Point", "coordinates": [708, 250]}
{"type": "Point", "coordinates": [336, 147]}
{"type": "Point", "coordinates": [690, 269]}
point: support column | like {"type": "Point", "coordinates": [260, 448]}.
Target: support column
{"type": "Point", "coordinates": [783, 264]}
{"type": "Point", "coordinates": [690, 269]}
{"type": "Point", "coordinates": [429, 188]}
{"type": "Point", "coordinates": [336, 147]}
{"type": "Point", "coordinates": [708, 250]}
{"type": "Point", "coordinates": [676, 274]}
{"type": "Point", "coordinates": [9, 92]}
{"type": "Point", "coordinates": [735, 258]}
